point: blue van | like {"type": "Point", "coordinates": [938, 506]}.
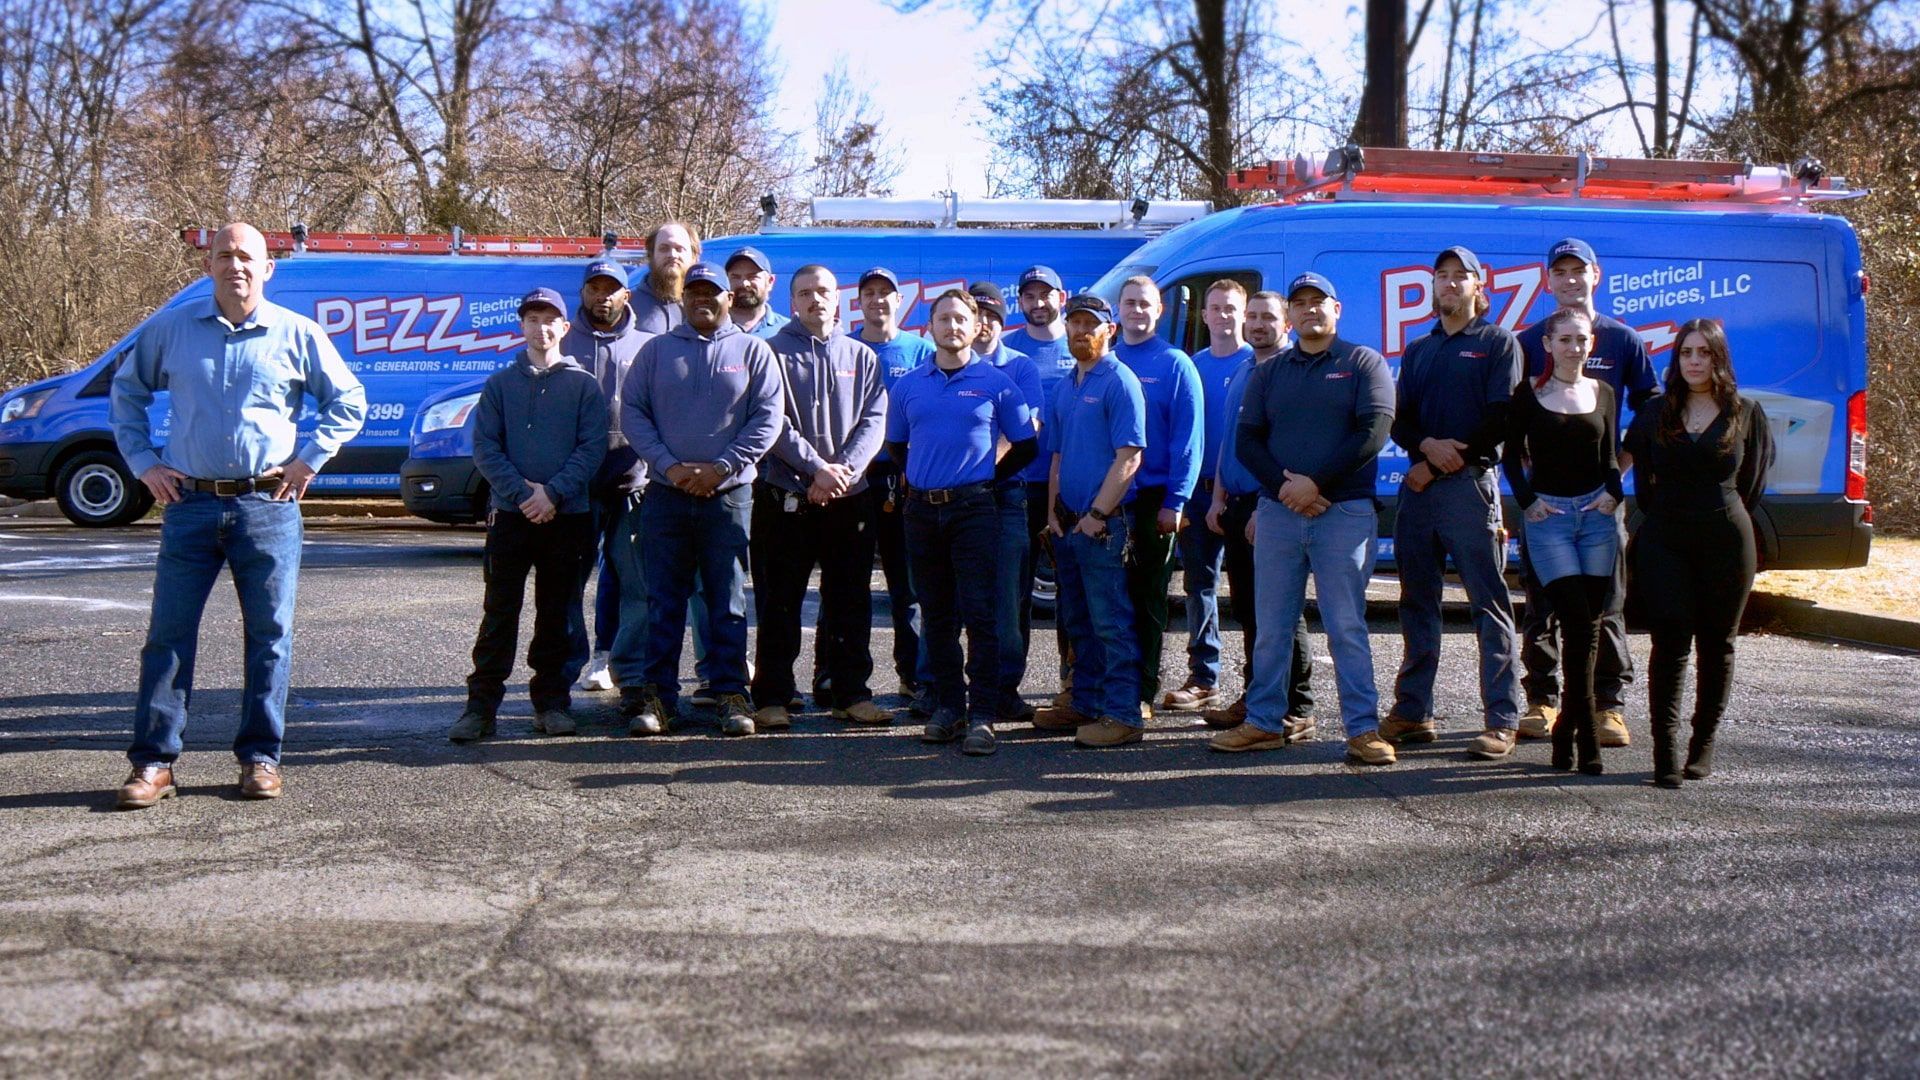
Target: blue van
{"type": "Point", "coordinates": [439, 482]}
{"type": "Point", "coordinates": [423, 331]}
{"type": "Point", "coordinates": [1787, 284]}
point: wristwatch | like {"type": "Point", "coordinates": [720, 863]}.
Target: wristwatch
{"type": "Point", "coordinates": [1097, 514]}
{"type": "Point", "coordinates": [723, 468]}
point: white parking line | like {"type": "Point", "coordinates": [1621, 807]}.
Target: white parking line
{"type": "Point", "coordinates": [82, 603]}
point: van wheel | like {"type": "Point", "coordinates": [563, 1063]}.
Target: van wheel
{"type": "Point", "coordinates": [95, 490]}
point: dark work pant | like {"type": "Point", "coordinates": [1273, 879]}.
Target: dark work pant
{"type": "Point", "coordinates": [1457, 517]}
{"type": "Point", "coordinates": [553, 553]}
{"type": "Point", "coordinates": [1694, 575]}
{"type": "Point", "coordinates": [886, 502]}
{"type": "Point", "coordinates": [1149, 573]}
{"type": "Point", "coordinates": [787, 545]}
{"type": "Point", "coordinates": [1238, 561]}
{"type": "Point", "coordinates": [692, 541]}
{"type": "Point", "coordinates": [1015, 568]}
{"type": "Point", "coordinates": [953, 549]}
{"type": "Point", "coordinates": [1540, 653]}
{"type": "Point", "coordinates": [1578, 602]}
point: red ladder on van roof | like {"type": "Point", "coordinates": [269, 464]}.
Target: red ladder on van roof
{"type": "Point", "coordinates": [1387, 172]}
{"type": "Point", "coordinates": [455, 243]}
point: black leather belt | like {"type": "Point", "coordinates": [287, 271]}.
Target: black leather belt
{"type": "Point", "coordinates": [233, 487]}
{"type": "Point", "coordinates": [943, 496]}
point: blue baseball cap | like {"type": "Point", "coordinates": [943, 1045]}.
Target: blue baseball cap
{"type": "Point", "coordinates": [1040, 273]}
{"type": "Point", "coordinates": [1311, 280]}
{"type": "Point", "coordinates": [878, 272]}
{"type": "Point", "coordinates": [1468, 260]}
{"type": "Point", "coordinates": [753, 255]}
{"type": "Point", "coordinates": [606, 268]}
{"type": "Point", "coordinates": [543, 295]}
{"type": "Point", "coordinates": [1092, 305]}
{"type": "Point", "coordinates": [711, 274]}
{"type": "Point", "coordinates": [1573, 246]}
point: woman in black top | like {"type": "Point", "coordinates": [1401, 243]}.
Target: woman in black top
{"type": "Point", "coordinates": [1700, 460]}
{"type": "Point", "coordinates": [1561, 464]}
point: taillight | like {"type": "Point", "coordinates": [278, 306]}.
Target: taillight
{"type": "Point", "coordinates": [1857, 447]}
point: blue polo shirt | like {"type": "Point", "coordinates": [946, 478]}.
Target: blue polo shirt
{"type": "Point", "coordinates": [1053, 361]}
{"type": "Point", "coordinates": [897, 357]}
{"type": "Point", "coordinates": [1619, 359]}
{"type": "Point", "coordinates": [1235, 478]}
{"type": "Point", "coordinates": [1087, 420]}
{"type": "Point", "coordinates": [951, 423]}
{"type": "Point", "coordinates": [1447, 384]}
{"type": "Point", "coordinates": [1017, 366]}
{"type": "Point", "coordinates": [1176, 431]}
{"type": "Point", "coordinates": [770, 323]}
{"type": "Point", "coordinates": [1215, 373]}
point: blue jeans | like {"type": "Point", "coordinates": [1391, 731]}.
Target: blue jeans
{"type": "Point", "coordinates": [630, 577]}
{"type": "Point", "coordinates": [1338, 549]}
{"type": "Point", "coordinates": [1015, 567]}
{"type": "Point", "coordinates": [687, 537]}
{"type": "Point", "coordinates": [1457, 517]}
{"type": "Point", "coordinates": [953, 549]}
{"type": "Point", "coordinates": [1097, 610]}
{"type": "Point", "coordinates": [259, 539]}
{"type": "Point", "coordinates": [1201, 552]}
{"type": "Point", "coordinates": [1575, 541]}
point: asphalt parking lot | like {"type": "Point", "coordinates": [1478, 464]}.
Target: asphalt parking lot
{"type": "Point", "coordinates": [852, 902]}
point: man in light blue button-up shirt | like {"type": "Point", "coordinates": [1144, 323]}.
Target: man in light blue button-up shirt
{"type": "Point", "coordinates": [238, 369]}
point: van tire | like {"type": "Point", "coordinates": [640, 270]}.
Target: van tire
{"type": "Point", "coordinates": [95, 490]}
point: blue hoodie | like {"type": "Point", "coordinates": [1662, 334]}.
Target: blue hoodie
{"type": "Point", "coordinates": [836, 407]}
{"type": "Point", "coordinates": [607, 354]}
{"type": "Point", "coordinates": [540, 426]}
{"type": "Point", "coordinates": [688, 397]}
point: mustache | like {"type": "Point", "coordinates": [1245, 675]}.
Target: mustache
{"type": "Point", "coordinates": [668, 283]}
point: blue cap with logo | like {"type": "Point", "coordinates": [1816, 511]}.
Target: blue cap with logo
{"type": "Point", "coordinates": [606, 268]}
{"type": "Point", "coordinates": [1468, 260]}
{"type": "Point", "coordinates": [1043, 274]}
{"type": "Point", "coordinates": [1092, 305]}
{"type": "Point", "coordinates": [1311, 280]}
{"type": "Point", "coordinates": [753, 255]}
{"type": "Point", "coordinates": [1573, 246]}
{"type": "Point", "coordinates": [546, 296]}
{"type": "Point", "coordinates": [882, 273]}
{"type": "Point", "coordinates": [710, 274]}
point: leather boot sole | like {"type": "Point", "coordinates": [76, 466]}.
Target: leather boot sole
{"type": "Point", "coordinates": [124, 803]}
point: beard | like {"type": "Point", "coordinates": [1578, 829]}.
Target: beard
{"type": "Point", "coordinates": [668, 283]}
{"type": "Point", "coordinates": [1450, 306]}
{"type": "Point", "coordinates": [746, 301]}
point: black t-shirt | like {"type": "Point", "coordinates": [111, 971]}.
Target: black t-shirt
{"type": "Point", "coordinates": [1561, 454]}
{"type": "Point", "coordinates": [1726, 464]}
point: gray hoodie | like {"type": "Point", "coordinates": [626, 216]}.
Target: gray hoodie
{"type": "Point", "coordinates": [537, 426]}
{"type": "Point", "coordinates": [836, 405]}
{"type": "Point", "coordinates": [606, 354]}
{"type": "Point", "coordinates": [692, 398]}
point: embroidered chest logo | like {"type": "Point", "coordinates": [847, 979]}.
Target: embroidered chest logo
{"type": "Point", "coordinates": [1331, 375]}
{"type": "Point", "coordinates": [730, 369]}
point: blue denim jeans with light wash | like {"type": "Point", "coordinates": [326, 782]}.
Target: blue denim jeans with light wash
{"type": "Point", "coordinates": [1015, 572]}
{"type": "Point", "coordinates": [1201, 554]}
{"type": "Point", "coordinates": [1457, 517]}
{"type": "Point", "coordinates": [1575, 541]}
{"type": "Point", "coordinates": [627, 563]}
{"type": "Point", "coordinates": [1338, 549]}
{"type": "Point", "coordinates": [259, 539]}
{"type": "Point", "coordinates": [1094, 605]}
{"type": "Point", "coordinates": [691, 540]}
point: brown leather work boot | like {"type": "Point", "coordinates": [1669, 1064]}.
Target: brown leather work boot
{"type": "Point", "coordinates": [1230, 717]}
{"type": "Point", "coordinates": [1060, 718]}
{"type": "Point", "coordinates": [1398, 729]}
{"type": "Point", "coordinates": [259, 780]}
{"type": "Point", "coordinates": [145, 786]}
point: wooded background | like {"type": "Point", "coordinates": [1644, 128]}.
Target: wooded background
{"type": "Point", "coordinates": [121, 120]}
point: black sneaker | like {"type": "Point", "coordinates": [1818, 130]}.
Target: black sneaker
{"type": "Point", "coordinates": [471, 727]}
{"type": "Point", "coordinates": [979, 740]}
{"type": "Point", "coordinates": [944, 726]}
{"type": "Point", "coordinates": [923, 703]}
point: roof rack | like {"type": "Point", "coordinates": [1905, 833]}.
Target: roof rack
{"type": "Point", "coordinates": [1355, 172]}
{"type": "Point", "coordinates": [300, 241]}
{"type": "Point", "coordinates": [950, 211]}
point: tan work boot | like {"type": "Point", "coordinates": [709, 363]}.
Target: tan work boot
{"type": "Point", "coordinates": [1370, 749]}
{"type": "Point", "coordinates": [1061, 718]}
{"type": "Point", "coordinates": [1610, 728]}
{"type": "Point", "coordinates": [1190, 696]}
{"type": "Point", "coordinates": [1230, 717]}
{"type": "Point", "coordinates": [864, 712]}
{"type": "Point", "coordinates": [1247, 737]}
{"type": "Point", "coordinates": [259, 780]}
{"type": "Point", "coordinates": [1398, 729]}
{"type": "Point", "coordinates": [1106, 732]}
{"type": "Point", "coordinates": [1493, 744]}
{"type": "Point", "coordinates": [1537, 722]}
{"type": "Point", "coordinates": [145, 786]}
{"type": "Point", "coordinates": [772, 718]}
{"type": "Point", "coordinates": [1300, 728]}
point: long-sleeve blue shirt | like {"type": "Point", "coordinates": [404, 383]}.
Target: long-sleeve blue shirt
{"type": "Point", "coordinates": [1233, 476]}
{"type": "Point", "coordinates": [236, 392]}
{"type": "Point", "coordinates": [1215, 373]}
{"type": "Point", "coordinates": [1176, 435]}
{"type": "Point", "coordinates": [898, 355]}
{"type": "Point", "coordinates": [836, 408]}
{"type": "Point", "coordinates": [688, 398]}
{"type": "Point", "coordinates": [607, 354]}
{"type": "Point", "coordinates": [1053, 362]}
{"type": "Point", "coordinates": [544, 426]}
{"type": "Point", "coordinates": [1020, 368]}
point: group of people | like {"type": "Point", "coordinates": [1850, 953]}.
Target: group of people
{"type": "Point", "coordinates": [679, 433]}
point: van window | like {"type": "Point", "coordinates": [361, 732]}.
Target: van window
{"type": "Point", "coordinates": [101, 384]}
{"type": "Point", "coordinates": [1184, 321]}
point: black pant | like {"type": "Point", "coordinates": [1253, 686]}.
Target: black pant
{"type": "Point", "coordinates": [886, 504]}
{"type": "Point", "coordinates": [1580, 604]}
{"type": "Point", "coordinates": [554, 553]}
{"type": "Point", "coordinates": [1540, 652]}
{"type": "Point", "coordinates": [1149, 572]}
{"type": "Point", "coordinates": [1238, 561]}
{"type": "Point", "coordinates": [1692, 577]}
{"type": "Point", "coordinates": [953, 548]}
{"type": "Point", "coordinates": [787, 544]}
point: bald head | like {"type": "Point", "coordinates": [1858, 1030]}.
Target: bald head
{"type": "Point", "coordinates": [238, 264]}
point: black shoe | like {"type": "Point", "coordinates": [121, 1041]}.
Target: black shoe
{"type": "Point", "coordinates": [471, 727]}
{"type": "Point", "coordinates": [644, 712]}
{"type": "Point", "coordinates": [1700, 751]}
{"type": "Point", "coordinates": [922, 703]}
{"type": "Point", "coordinates": [943, 727]}
{"type": "Point", "coordinates": [979, 740]}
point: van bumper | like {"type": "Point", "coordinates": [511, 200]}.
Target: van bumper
{"type": "Point", "coordinates": [23, 470]}
{"type": "Point", "coordinates": [446, 490]}
{"type": "Point", "coordinates": [1813, 532]}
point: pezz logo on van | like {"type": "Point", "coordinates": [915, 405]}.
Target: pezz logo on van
{"type": "Point", "coordinates": [404, 324]}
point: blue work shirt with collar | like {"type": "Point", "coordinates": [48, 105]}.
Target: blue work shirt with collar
{"type": "Point", "coordinates": [1448, 386]}
{"type": "Point", "coordinates": [902, 353]}
{"type": "Point", "coordinates": [236, 392]}
{"type": "Point", "coordinates": [770, 323]}
{"type": "Point", "coordinates": [1020, 368]}
{"type": "Point", "coordinates": [1233, 477]}
{"type": "Point", "coordinates": [1090, 418]}
{"type": "Point", "coordinates": [1176, 432]}
{"type": "Point", "coordinates": [689, 397]}
{"type": "Point", "coordinates": [1215, 372]}
{"type": "Point", "coordinates": [1313, 414]}
{"type": "Point", "coordinates": [1619, 359]}
{"type": "Point", "coordinates": [951, 421]}
{"type": "Point", "coordinates": [1053, 361]}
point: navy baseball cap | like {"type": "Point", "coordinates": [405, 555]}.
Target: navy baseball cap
{"type": "Point", "coordinates": [606, 268]}
{"type": "Point", "coordinates": [1092, 305]}
{"type": "Point", "coordinates": [879, 272]}
{"type": "Point", "coordinates": [753, 255]}
{"type": "Point", "coordinates": [543, 295]}
{"type": "Point", "coordinates": [1311, 280]}
{"type": "Point", "coordinates": [1573, 246]}
{"type": "Point", "coordinates": [1467, 258]}
{"type": "Point", "coordinates": [1041, 273]}
{"type": "Point", "coordinates": [711, 274]}
{"type": "Point", "coordinates": [987, 295]}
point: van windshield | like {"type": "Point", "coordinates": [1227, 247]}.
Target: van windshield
{"type": "Point", "coordinates": [1108, 287]}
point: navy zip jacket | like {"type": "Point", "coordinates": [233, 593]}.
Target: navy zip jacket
{"type": "Point", "coordinates": [692, 398]}
{"type": "Point", "coordinates": [607, 354]}
{"type": "Point", "coordinates": [836, 407]}
{"type": "Point", "coordinates": [540, 426]}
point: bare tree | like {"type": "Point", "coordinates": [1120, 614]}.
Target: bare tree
{"type": "Point", "coordinates": [852, 155]}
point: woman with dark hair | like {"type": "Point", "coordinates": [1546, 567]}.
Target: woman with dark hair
{"type": "Point", "coordinates": [1700, 460]}
{"type": "Point", "coordinates": [1565, 474]}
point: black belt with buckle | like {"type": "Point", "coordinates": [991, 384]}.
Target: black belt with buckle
{"type": "Point", "coordinates": [943, 496]}
{"type": "Point", "coordinates": [233, 487]}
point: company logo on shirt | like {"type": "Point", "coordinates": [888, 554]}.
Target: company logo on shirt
{"type": "Point", "coordinates": [731, 369]}
{"type": "Point", "coordinates": [1339, 375]}
{"type": "Point", "coordinates": [1599, 363]}
{"type": "Point", "coordinates": [1473, 356]}
{"type": "Point", "coordinates": [845, 372]}
{"type": "Point", "coordinates": [1150, 378]}
{"type": "Point", "coordinates": [1090, 399]}
{"type": "Point", "coordinates": [970, 393]}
